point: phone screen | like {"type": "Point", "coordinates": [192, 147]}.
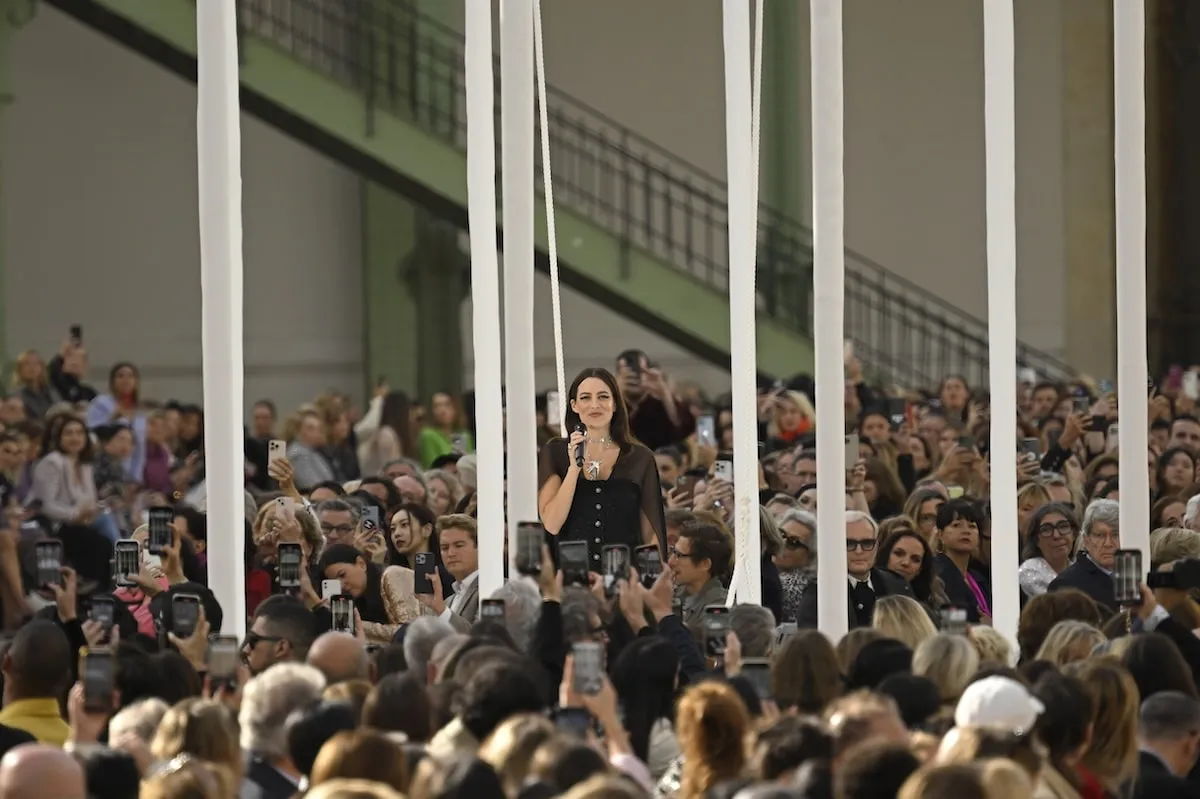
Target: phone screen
{"type": "Point", "coordinates": [589, 667]}
{"type": "Point", "coordinates": [492, 609]}
{"type": "Point", "coordinates": [716, 627]}
{"type": "Point", "coordinates": [223, 657]}
{"type": "Point", "coordinates": [954, 621]}
{"type": "Point", "coordinates": [1081, 405]}
{"type": "Point", "coordinates": [706, 431]}
{"type": "Point", "coordinates": [290, 558]}
{"type": "Point", "coordinates": [851, 450]}
{"type": "Point", "coordinates": [614, 559]}
{"type": "Point", "coordinates": [1128, 577]}
{"type": "Point", "coordinates": [649, 563]}
{"type": "Point", "coordinates": [966, 442]}
{"type": "Point", "coordinates": [897, 412]}
{"type": "Point", "coordinates": [160, 529]}
{"type": "Point", "coordinates": [185, 613]}
{"type": "Point", "coordinates": [424, 572]}
{"type": "Point", "coordinates": [128, 560]}
{"type": "Point", "coordinates": [342, 609]}
{"type": "Point", "coordinates": [96, 673]}
{"type": "Point", "coordinates": [530, 537]}
{"type": "Point", "coordinates": [49, 563]}
{"type": "Point", "coordinates": [77, 334]}
{"type": "Point", "coordinates": [573, 721]}
{"type": "Point", "coordinates": [757, 672]}
{"type": "Point", "coordinates": [573, 560]}
{"type": "Point", "coordinates": [101, 611]}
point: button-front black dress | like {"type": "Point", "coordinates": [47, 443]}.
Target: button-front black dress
{"type": "Point", "coordinates": [608, 511]}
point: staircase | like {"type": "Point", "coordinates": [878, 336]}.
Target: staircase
{"type": "Point", "coordinates": [630, 204]}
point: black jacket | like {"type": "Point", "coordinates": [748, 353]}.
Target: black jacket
{"type": "Point", "coordinates": [885, 583]}
{"type": "Point", "coordinates": [1089, 578]}
{"type": "Point", "coordinates": [263, 781]}
{"type": "Point", "coordinates": [957, 590]}
{"type": "Point", "coordinates": [1154, 781]}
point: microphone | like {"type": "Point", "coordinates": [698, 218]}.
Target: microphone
{"type": "Point", "coordinates": [579, 447]}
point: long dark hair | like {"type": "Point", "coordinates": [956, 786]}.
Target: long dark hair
{"type": "Point", "coordinates": [137, 376]}
{"type": "Point", "coordinates": [619, 428]}
{"type": "Point", "coordinates": [419, 515]}
{"type": "Point", "coordinates": [922, 584]}
{"type": "Point", "coordinates": [86, 454]}
{"type": "Point", "coordinates": [397, 414]}
{"type": "Point", "coordinates": [644, 677]}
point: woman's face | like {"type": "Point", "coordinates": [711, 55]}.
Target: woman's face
{"type": "Point", "coordinates": [790, 417]}
{"type": "Point", "coordinates": [1179, 471]}
{"type": "Point", "coordinates": [906, 557]}
{"type": "Point", "coordinates": [30, 370]}
{"type": "Point", "coordinates": [594, 403]}
{"type": "Point", "coordinates": [437, 497]}
{"type": "Point", "coordinates": [916, 448]}
{"type": "Point", "coordinates": [353, 576]}
{"type": "Point", "coordinates": [961, 537]}
{"type": "Point", "coordinates": [1055, 534]}
{"type": "Point", "coordinates": [1025, 509]}
{"type": "Point", "coordinates": [927, 516]}
{"type": "Point", "coordinates": [407, 534]}
{"type": "Point", "coordinates": [189, 426]}
{"type": "Point", "coordinates": [124, 382]}
{"type": "Point", "coordinates": [954, 393]}
{"type": "Point", "coordinates": [340, 428]}
{"type": "Point", "coordinates": [443, 410]}
{"type": "Point", "coordinates": [1172, 515]}
{"type": "Point", "coordinates": [808, 500]}
{"type": "Point", "coordinates": [73, 438]}
{"type": "Point", "coordinates": [947, 441]}
{"type": "Point", "coordinates": [797, 547]}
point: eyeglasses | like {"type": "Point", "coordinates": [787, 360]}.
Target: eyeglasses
{"type": "Point", "coordinates": [675, 553]}
{"type": "Point", "coordinates": [795, 543]}
{"type": "Point", "coordinates": [1061, 528]}
{"type": "Point", "coordinates": [1100, 537]}
{"type": "Point", "coordinates": [865, 544]}
{"type": "Point", "coordinates": [253, 639]}
{"type": "Point", "coordinates": [340, 529]}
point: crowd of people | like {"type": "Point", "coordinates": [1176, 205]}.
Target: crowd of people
{"type": "Point", "coordinates": [608, 664]}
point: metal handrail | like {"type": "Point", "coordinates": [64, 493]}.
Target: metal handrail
{"type": "Point", "coordinates": [411, 65]}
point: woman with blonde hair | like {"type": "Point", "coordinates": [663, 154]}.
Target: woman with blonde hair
{"type": "Point", "coordinates": [444, 491]}
{"type": "Point", "coordinates": [1112, 755]}
{"type": "Point", "coordinates": [949, 662]}
{"type": "Point", "coordinates": [991, 645]}
{"type": "Point", "coordinates": [792, 417]}
{"type": "Point", "coordinates": [903, 619]}
{"type": "Point", "coordinates": [1070, 641]}
{"type": "Point", "coordinates": [200, 728]}
{"type": "Point", "coordinates": [187, 777]}
{"type": "Point", "coordinates": [511, 747]}
{"type": "Point", "coordinates": [361, 755]}
{"type": "Point", "coordinates": [32, 384]}
{"type": "Point", "coordinates": [714, 729]}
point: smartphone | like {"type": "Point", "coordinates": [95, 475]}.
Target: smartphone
{"type": "Point", "coordinates": [1081, 405]}
{"type": "Point", "coordinates": [706, 431]}
{"type": "Point", "coordinates": [276, 451]}
{"type": "Point", "coordinates": [101, 611]}
{"type": "Point", "coordinates": [330, 589]}
{"type": "Point", "coordinates": [96, 674]}
{"type": "Point", "coordinates": [723, 470]}
{"type": "Point", "coordinates": [291, 556]}
{"type": "Point", "coordinates": [1191, 385]}
{"type": "Point", "coordinates": [633, 363]}
{"type": "Point", "coordinates": [127, 560]}
{"type": "Point", "coordinates": [687, 484]}
{"type": "Point", "coordinates": [370, 518]}
{"type": "Point", "coordinates": [1114, 438]}
{"type": "Point", "coordinates": [1052, 436]}
{"type": "Point", "coordinates": [530, 538]}
{"type": "Point", "coordinates": [589, 668]}
{"type": "Point", "coordinates": [424, 572]}
{"type": "Point", "coordinates": [715, 626]}
{"type": "Point", "coordinates": [553, 410]}
{"type": "Point", "coordinates": [492, 609]}
{"type": "Point", "coordinates": [649, 563]}
{"type": "Point", "coordinates": [1031, 449]}
{"type": "Point", "coordinates": [851, 450]}
{"type": "Point", "coordinates": [614, 560]}
{"type": "Point", "coordinates": [342, 608]}
{"type": "Point", "coordinates": [954, 621]}
{"type": "Point", "coordinates": [458, 442]}
{"type": "Point", "coordinates": [160, 529]}
{"type": "Point", "coordinates": [757, 672]}
{"type": "Point", "coordinates": [785, 631]}
{"type": "Point", "coordinates": [1127, 576]}
{"type": "Point", "coordinates": [1104, 387]}
{"type": "Point", "coordinates": [897, 410]}
{"type": "Point", "coordinates": [966, 442]}
{"type": "Point", "coordinates": [49, 563]}
{"type": "Point", "coordinates": [185, 614]}
{"type": "Point", "coordinates": [573, 561]}
{"type": "Point", "coordinates": [574, 722]}
{"type": "Point", "coordinates": [223, 658]}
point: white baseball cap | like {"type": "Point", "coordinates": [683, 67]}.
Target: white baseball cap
{"type": "Point", "coordinates": [998, 702]}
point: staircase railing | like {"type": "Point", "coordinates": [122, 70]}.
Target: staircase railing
{"type": "Point", "coordinates": [408, 64]}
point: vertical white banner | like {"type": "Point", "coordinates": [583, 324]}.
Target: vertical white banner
{"type": "Point", "coordinates": [829, 297]}
{"type": "Point", "coordinates": [485, 293]}
{"type": "Point", "coordinates": [218, 150]}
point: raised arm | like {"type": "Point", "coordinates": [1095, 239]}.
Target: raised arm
{"type": "Point", "coordinates": [558, 475]}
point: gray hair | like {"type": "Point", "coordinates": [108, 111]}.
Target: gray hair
{"type": "Point", "coordinates": [1169, 716]}
{"type": "Point", "coordinates": [1192, 511]}
{"type": "Point", "coordinates": [267, 702]}
{"type": "Point", "coordinates": [468, 466]}
{"type": "Point", "coordinates": [754, 626]}
{"type": "Point", "coordinates": [578, 607]}
{"type": "Point", "coordinates": [452, 483]}
{"type": "Point", "coordinates": [809, 520]}
{"type": "Point", "coordinates": [139, 719]}
{"type": "Point", "coordinates": [768, 528]}
{"type": "Point", "coordinates": [340, 505]}
{"type": "Point", "coordinates": [422, 636]}
{"type": "Point", "coordinates": [856, 516]}
{"type": "Point", "coordinates": [522, 607]}
{"type": "Point", "coordinates": [1104, 511]}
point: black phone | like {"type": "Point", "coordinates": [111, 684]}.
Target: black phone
{"type": "Point", "coordinates": [954, 621]}
{"type": "Point", "coordinates": [715, 625]}
{"type": "Point", "coordinates": [757, 672]}
{"type": "Point", "coordinates": [897, 411]}
{"type": "Point", "coordinates": [223, 658]}
{"type": "Point", "coordinates": [424, 572]}
{"type": "Point", "coordinates": [127, 560]}
{"type": "Point", "coordinates": [160, 529]}
{"type": "Point", "coordinates": [1127, 576]}
{"type": "Point", "coordinates": [185, 614]}
{"type": "Point", "coordinates": [100, 611]}
{"type": "Point", "coordinates": [1031, 449]}
{"type": "Point", "coordinates": [589, 667]}
{"type": "Point", "coordinates": [649, 563]}
{"type": "Point", "coordinates": [966, 442]}
{"type": "Point", "coordinates": [370, 518]}
{"type": "Point", "coordinates": [1081, 405]}
{"type": "Point", "coordinates": [530, 537]}
{"type": "Point", "coordinates": [492, 609]}
{"type": "Point", "coordinates": [76, 334]}
{"type": "Point", "coordinates": [573, 561]}
{"type": "Point", "coordinates": [49, 563]}
{"type": "Point", "coordinates": [99, 684]}
{"type": "Point", "coordinates": [342, 609]}
{"type": "Point", "coordinates": [574, 722]}
{"type": "Point", "coordinates": [614, 559]}
{"type": "Point", "coordinates": [291, 556]}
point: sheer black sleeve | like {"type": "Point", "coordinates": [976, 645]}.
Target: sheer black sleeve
{"type": "Point", "coordinates": [552, 461]}
{"type": "Point", "coordinates": [652, 502]}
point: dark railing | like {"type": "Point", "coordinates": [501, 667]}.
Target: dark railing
{"type": "Point", "coordinates": [410, 65]}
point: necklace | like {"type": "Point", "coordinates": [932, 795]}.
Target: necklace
{"type": "Point", "coordinates": [592, 467]}
{"type": "Point", "coordinates": [604, 441]}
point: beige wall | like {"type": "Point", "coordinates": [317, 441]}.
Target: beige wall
{"type": "Point", "coordinates": [914, 127]}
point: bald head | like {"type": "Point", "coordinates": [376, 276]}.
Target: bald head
{"type": "Point", "coordinates": [33, 771]}
{"type": "Point", "coordinates": [339, 657]}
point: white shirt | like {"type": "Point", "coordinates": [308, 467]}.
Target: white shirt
{"type": "Point", "coordinates": [854, 581]}
{"type": "Point", "coordinates": [460, 592]}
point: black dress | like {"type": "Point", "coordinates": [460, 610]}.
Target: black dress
{"type": "Point", "coordinates": [608, 511]}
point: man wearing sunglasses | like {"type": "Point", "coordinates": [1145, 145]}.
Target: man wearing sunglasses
{"type": "Point", "coordinates": [282, 631]}
{"type": "Point", "coordinates": [864, 583]}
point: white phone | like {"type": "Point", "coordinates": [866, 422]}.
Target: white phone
{"type": "Point", "coordinates": [330, 589]}
{"type": "Point", "coordinates": [276, 451]}
{"type": "Point", "coordinates": [851, 450]}
{"type": "Point", "coordinates": [553, 410]}
{"type": "Point", "coordinates": [1191, 385]}
{"type": "Point", "coordinates": [706, 431]}
{"type": "Point", "coordinates": [723, 470]}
